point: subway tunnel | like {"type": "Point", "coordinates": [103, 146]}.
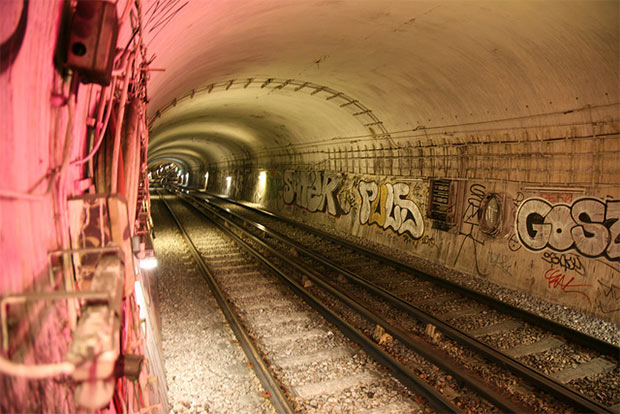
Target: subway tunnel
{"type": "Point", "coordinates": [478, 140]}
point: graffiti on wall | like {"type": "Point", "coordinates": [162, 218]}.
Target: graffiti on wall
{"type": "Point", "coordinates": [608, 292]}
{"type": "Point", "coordinates": [558, 280]}
{"type": "Point", "coordinates": [312, 190]}
{"type": "Point", "coordinates": [502, 262]}
{"type": "Point", "coordinates": [609, 298]}
{"type": "Point", "coordinates": [556, 197]}
{"type": "Point", "coordinates": [589, 226]}
{"type": "Point", "coordinates": [387, 205]}
{"type": "Point", "coordinates": [273, 186]}
{"type": "Point", "coordinates": [566, 262]}
{"type": "Point", "coordinates": [470, 226]}
{"type": "Point", "coordinates": [347, 197]}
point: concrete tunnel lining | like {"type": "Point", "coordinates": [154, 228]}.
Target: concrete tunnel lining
{"type": "Point", "coordinates": [516, 97]}
{"type": "Point", "coordinates": [413, 63]}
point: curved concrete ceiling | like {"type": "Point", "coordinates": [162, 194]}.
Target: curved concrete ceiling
{"type": "Point", "coordinates": [245, 79]}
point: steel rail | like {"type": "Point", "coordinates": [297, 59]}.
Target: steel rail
{"type": "Point", "coordinates": [276, 395]}
{"type": "Point", "coordinates": [538, 378]}
{"type": "Point", "coordinates": [412, 341]}
{"type": "Point", "coordinates": [408, 378]}
{"type": "Point", "coordinates": [586, 340]}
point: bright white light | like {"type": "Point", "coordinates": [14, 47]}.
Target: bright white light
{"type": "Point", "coordinates": [262, 181]}
{"type": "Point", "coordinates": [206, 179]}
{"type": "Point", "coordinates": [148, 263]}
{"type": "Point", "coordinates": [228, 181]}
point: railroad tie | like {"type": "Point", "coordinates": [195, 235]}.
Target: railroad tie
{"type": "Point", "coordinates": [272, 304]}
{"type": "Point", "coordinates": [593, 367]}
{"type": "Point", "coordinates": [260, 292]}
{"type": "Point", "coordinates": [412, 289]}
{"type": "Point", "coordinates": [339, 352]}
{"type": "Point", "coordinates": [294, 337]}
{"type": "Point", "coordinates": [297, 317]}
{"type": "Point", "coordinates": [534, 348]}
{"type": "Point", "coordinates": [395, 408]}
{"type": "Point", "coordinates": [459, 313]}
{"type": "Point", "coordinates": [334, 386]}
{"type": "Point", "coordinates": [493, 329]}
{"type": "Point", "coordinates": [437, 300]}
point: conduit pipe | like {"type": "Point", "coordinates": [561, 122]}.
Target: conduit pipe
{"type": "Point", "coordinates": [119, 128]}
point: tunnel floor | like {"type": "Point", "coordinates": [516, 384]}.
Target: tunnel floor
{"type": "Point", "coordinates": [206, 369]}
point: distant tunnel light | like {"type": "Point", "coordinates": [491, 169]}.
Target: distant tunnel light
{"type": "Point", "coordinates": [262, 181]}
{"type": "Point", "coordinates": [206, 179]}
{"type": "Point", "coordinates": [228, 182]}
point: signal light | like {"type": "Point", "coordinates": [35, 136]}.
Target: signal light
{"type": "Point", "coordinates": [92, 40]}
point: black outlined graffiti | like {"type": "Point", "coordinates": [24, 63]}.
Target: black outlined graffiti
{"type": "Point", "coordinates": [501, 261]}
{"type": "Point", "coordinates": [470, 228]}
{"type": "Point", "coordinates": [513, 243]}
{"type": "Point", "coordinates": [565, 262]}
{"type": "Point", "coordinates": [425, 240]}
{"type": "Point", "coordinates": [589, 226]}
{"type": "Point", "coordinates": [312, 190]}
{"type": "Point", "coordinates": [513, 240]}
{"type": "Point", "coordinates": [347, 198]}
{"type": "Point", "coordinates": [387, 206]}
{"type": "Point", "coordinates": [611, 294]}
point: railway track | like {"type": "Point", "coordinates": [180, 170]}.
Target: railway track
{"type": "Point", "coordinates": [304, 363]}
{"type": "Point", "coordinates": [567, 365]}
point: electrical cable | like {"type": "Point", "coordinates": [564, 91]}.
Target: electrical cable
{"type": "Point", "coordinates": [38, 371]}
{"type": "Point", "coordinates": [58, 171]}
{"type": "Point", "coordinates": [100, 128]}
{"type": "Point", "coordinates": [119, 127]}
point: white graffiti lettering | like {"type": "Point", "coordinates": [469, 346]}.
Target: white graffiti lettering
{"type": "Point", "coordinates": [387, 206]}
{"type": "Point", "coordinates": [590, 226]}
{"type": "Point", "coordinates": [312, 190]}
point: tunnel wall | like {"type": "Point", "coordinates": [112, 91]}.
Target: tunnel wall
{"type": "Point", "coordinates": [394, 212]}
{"type": "Point", "coordinates": [539, 216]}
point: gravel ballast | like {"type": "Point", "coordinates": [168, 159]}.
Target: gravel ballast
{"type": "Point", "coordinates": [206, 370]}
